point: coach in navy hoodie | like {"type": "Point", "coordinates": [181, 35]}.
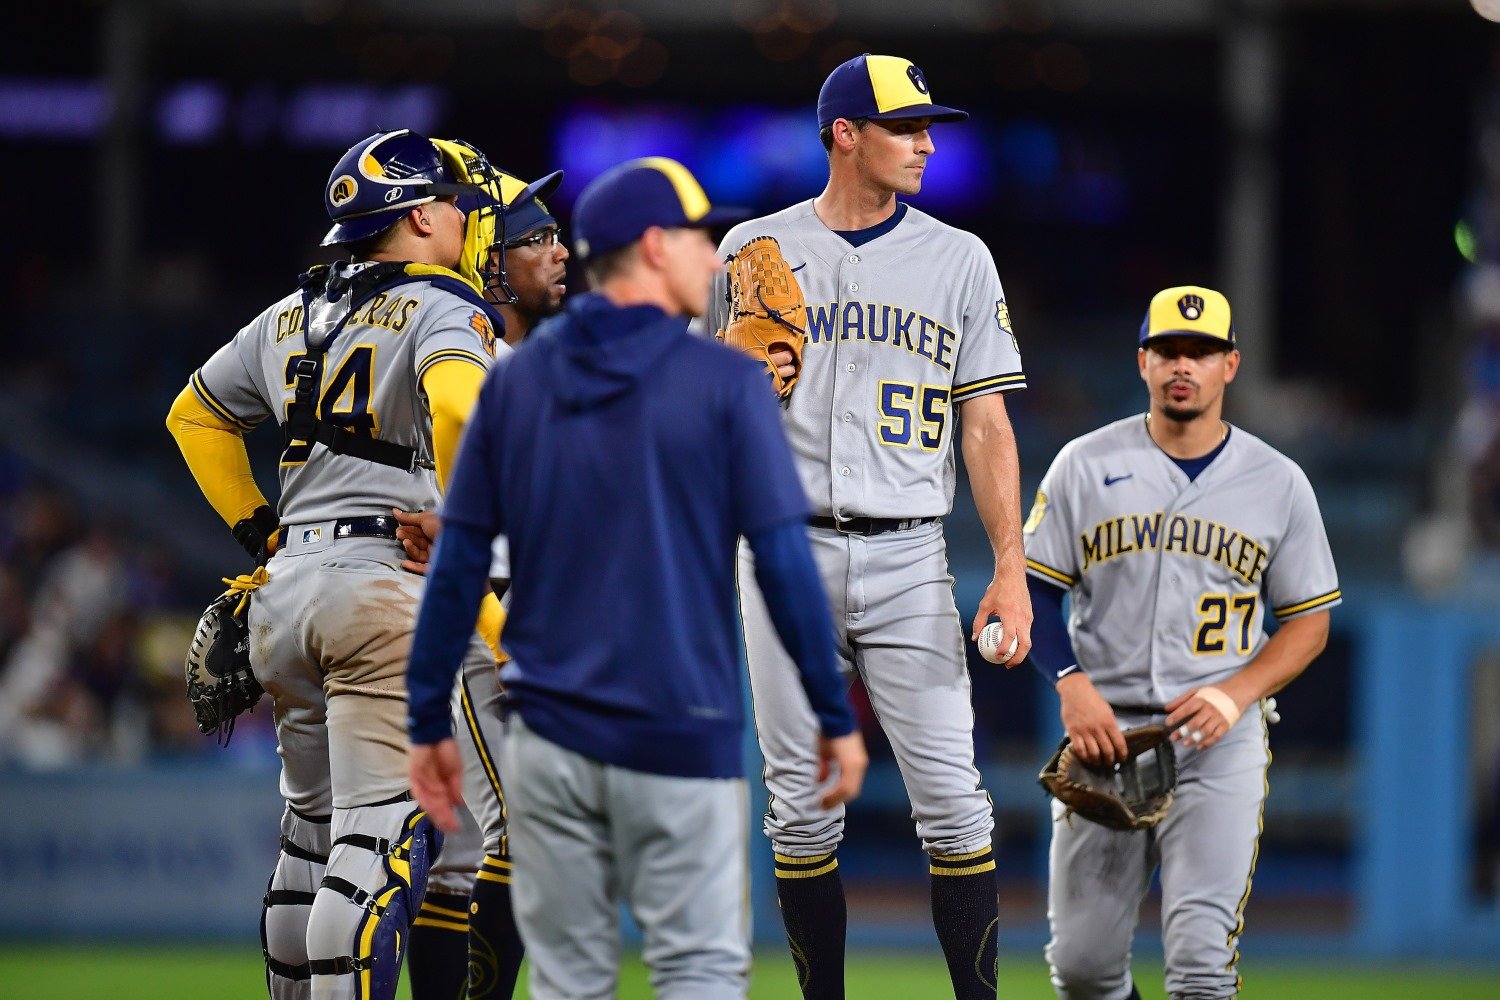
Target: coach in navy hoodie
{"type": "Point", "coordinates": [623, 458]}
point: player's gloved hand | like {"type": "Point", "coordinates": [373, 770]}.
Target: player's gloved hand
{"type": "Point", "coordinates": [1089, 721]}
{"type": "Point", "coordinates": [1202, 716]}
{"type": "Point", "coordinates": [437, 778]}
{"type": "Point", "coordinates": [257, 533]}
{"type": "Point", "coordinates": [767, 315]}
{"type": "Point", "coordinates": [1007, 598]}
{"type": "Point", "coordinates": [785, 362]}
{"type": "Point", "coordinates": [846, 754]}
{"type": "Point", "coordinates": [417, 531]}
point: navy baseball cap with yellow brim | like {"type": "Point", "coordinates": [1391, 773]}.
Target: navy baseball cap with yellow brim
{"type": "Point", "coordinates": [1189, 311]}
{"type": "Point", "coordinates": [623, 202]}
{"type": "Point", "coordinates": [882, 88]}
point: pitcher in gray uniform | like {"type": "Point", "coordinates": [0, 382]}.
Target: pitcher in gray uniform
{"type": "Point", "coordinates": [907, 329]}
{"type": "Point", "coordinates": [366, 367]}
{"type": "Point", "coordinates": [1178, 537]}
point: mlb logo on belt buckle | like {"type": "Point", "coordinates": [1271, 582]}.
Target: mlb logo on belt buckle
{"type": "Point", "coordinates": [311, 535]}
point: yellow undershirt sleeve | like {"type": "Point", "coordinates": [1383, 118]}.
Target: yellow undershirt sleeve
{"type": "Point", "coordinates": [215, 453]}
{"type": "Point", "coordinates": [452, 388]}
{"type": "Point", "coordinates": [491, 623]}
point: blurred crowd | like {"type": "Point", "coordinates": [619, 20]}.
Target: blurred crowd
{"type": "Point", "coordinates": [93, 629]}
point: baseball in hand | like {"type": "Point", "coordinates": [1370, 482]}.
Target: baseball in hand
{"type": "Point", "coordinates": [989, 643]}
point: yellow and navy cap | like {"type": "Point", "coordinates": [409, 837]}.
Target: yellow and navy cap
{"type": "Point", "coordinates": [623, 202]}
{"type": "Point", "coordinates": [879, 87]}
{"type": "Point", "coordinates": [1188, 311]}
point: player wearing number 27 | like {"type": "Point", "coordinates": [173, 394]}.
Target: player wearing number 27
{"type": "Point", "coordinates": [1175, 534]}
{"type": "Point", "coordinates": [907, 328]}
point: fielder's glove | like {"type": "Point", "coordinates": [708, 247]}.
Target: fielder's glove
{"type": "Point", "coordinates": [766, 308]}
{"type": "Point", "coordinates": [1134, 795]}
{"type": "Point", "coordinates": [220, 684]}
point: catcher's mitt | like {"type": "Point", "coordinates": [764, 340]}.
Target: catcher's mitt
{"type": "Point", "coordinates": [1134, 795]}
{"type": "Point", "coordinates": [220, 683]}
{"type": "Point", "coordinates": [766, 308]}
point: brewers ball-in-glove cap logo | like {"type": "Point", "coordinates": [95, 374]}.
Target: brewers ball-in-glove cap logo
{"type": "Point", "coordinates": [342, 191]}
{"type": "Point", "coordinates": [382, 177]}
{"type": "Point", "coordinates": [1188, 311]}
{"type": "Point", "coordinates": [879, 87]}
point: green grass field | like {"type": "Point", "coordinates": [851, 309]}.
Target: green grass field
{"type": "Point", "coordinates": [54, 972]}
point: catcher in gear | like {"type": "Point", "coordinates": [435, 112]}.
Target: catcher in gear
{"type": "Point", "coordinates": [1175, 536]}
{"type": "Point", "coordinates": [371, 367]}
{"type": "Point", "coordinates": [767, 314]}
{"type": "Point", "coordinates": [1133, 794]}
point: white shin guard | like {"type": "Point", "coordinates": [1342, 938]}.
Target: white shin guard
{"type": "Point", "coordinates": [377, 874]}
{"type": "Point", "coordinates": [288, 903]}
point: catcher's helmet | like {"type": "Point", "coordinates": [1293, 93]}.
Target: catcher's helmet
{"type": "Point", "coordinates": [379, 179]}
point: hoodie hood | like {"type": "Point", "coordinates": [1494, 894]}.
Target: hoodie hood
{"type": "Point", "coordinates": [598, 352]}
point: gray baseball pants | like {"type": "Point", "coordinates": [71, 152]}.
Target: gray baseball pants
{"type": "Point", "coordinates": [897, 625]}
{"type": "Point", "coordinates": [586, 835]}
{"type": "Point", "coordinates": [1206, 849]}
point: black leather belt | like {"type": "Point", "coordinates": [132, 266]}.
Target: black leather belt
{"type": "Point", "coordinates": [370, 526]}
{"type": "Point", "coordinates": [1139, 709]}
{"type": "Point", "coordinates": [868, 525]}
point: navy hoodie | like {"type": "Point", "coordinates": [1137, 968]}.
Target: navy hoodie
{"type": "Point", "coordinates": [623, 457]}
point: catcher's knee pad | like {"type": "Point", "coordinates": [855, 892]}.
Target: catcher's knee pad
{"type": "Point", "coordinates": [358, 931]}
{"type": "Point", "coordinates": [288, 902]}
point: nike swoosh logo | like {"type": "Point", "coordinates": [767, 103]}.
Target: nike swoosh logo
{"type": "Point", "coordinates": [1111, 480]}
{"type": "Point", "coordinates": [799, 267]}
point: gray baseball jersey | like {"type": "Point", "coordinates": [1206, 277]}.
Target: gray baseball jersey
{"type": "Point", "coordinates": [902, 329]}
{"type": "Point", "coordinates": [1171, 581]}
{"type": "Point", "coordinates": [899, 331]}
{"type": "Point", "coordinates": [371, 384]}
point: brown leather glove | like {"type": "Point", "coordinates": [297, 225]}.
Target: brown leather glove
{"type": "Point", "coordinates": [1134, 795]}
{"type": "Point", "coordinates": [766, 308]}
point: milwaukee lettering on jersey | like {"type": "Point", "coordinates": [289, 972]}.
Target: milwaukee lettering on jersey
{"type": "Point", "coordinates": [1194, 536]}
{"type": "Point", "coordinates": [903, 329]}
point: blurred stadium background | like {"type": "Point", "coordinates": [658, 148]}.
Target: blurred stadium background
{"type": "Point", "coordinates": [1334, 165]}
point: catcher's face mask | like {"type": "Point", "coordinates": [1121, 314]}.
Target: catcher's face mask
{"type": "Point", "coordinates": [484, 222]}
{"type": "Point", "coordinates": [488, 216]}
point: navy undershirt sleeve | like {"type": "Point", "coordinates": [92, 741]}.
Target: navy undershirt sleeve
{"type": "Point", "coordinates": [785, 570]}
{"type": "Point", "coordinates": [1051, 650]}
{"type": "Point", "coordinates": [456, 581]}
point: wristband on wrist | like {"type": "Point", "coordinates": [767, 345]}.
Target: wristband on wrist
{"type": "Point", "coordinates": [1221, 701]}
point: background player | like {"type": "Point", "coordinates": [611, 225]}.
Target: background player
{"type": "Point", "coordinates": [907, 328]}
{"type": "Point", "coordinates": [1175, 534]}
{"type": "Point", "coordinates": [466, 929]}
{"type": "Point", "coordinates": [624, 770]}
{"type": "Point", "coordinates": [371, 367]}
